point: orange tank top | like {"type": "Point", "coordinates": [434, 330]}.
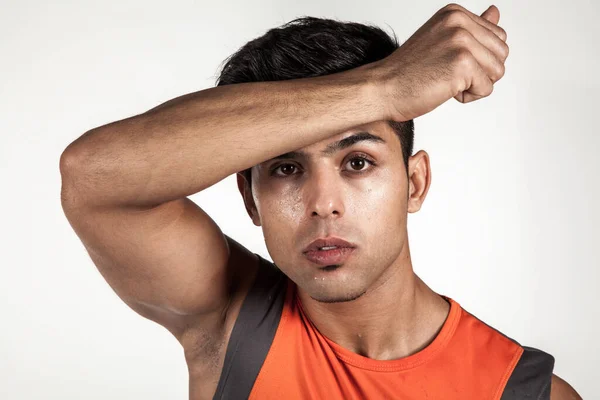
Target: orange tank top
{"type": "Point", "coordinates": [466, 360]}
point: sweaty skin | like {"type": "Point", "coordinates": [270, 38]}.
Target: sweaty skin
{"type": "Point", "coordinates": [125, 186]}
{"type": "Point", "coordinates": [373, 304]}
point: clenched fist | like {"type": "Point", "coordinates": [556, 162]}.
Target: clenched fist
{"type": "Point", "coordinates": [454, 54]}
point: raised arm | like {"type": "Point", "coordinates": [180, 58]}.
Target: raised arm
{"type": "Point", "coordinates": [125, 184]}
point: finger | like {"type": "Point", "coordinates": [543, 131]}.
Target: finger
{"type": "Point", "coordinates": [480, 86]}
{"type": "Point", "coordinates": [488, 39]}
{"type": "Point", "coordinates": [490, 19]}
{"type": "Point", "coordinates": [480, 55]}
{"type": "Point", "coordinates": [492, 14]}
{"type": "Point", "coordinates": [483, 87]}
{"type": "Point", "coordinates": [501, 33]}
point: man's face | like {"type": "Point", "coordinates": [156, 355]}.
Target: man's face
{"type": "Point", "coordinates": [358, 193]}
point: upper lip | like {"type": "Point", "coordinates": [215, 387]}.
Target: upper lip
{"type": "Point", "coordinates": [328, 241]}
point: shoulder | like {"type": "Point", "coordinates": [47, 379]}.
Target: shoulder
{"type": "Point", "coordinates": [561, 390]}
{"type": "Point", "coordinates": [253, 332]}
{"type": "Point", "coordinates": [531, 376]}
{"type": "Point", "coordinates": [529, 371]}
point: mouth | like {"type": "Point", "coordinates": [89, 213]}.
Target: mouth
{"type": "Point", "coordinates": [330, 258]}
{"type": "Point", "coordinates": [328, 243]}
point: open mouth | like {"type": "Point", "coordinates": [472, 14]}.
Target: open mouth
{"type": "Point", "coordinates": [331, 258]}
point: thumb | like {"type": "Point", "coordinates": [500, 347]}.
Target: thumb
{"type": "Point", "coordinates": [492, 14]}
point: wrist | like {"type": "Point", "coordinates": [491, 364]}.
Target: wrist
{"type": "Point", "coordinates": [375, 90]}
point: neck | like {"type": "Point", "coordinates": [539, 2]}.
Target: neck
{"type": "Point", "coordinates": [397, 316]}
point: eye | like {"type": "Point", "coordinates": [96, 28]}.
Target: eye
{"type": "Point", "coordinates": [283, 167]}
{"type": "Point", "coordinates": [360, 160]}
{"type": "Point", "coordinates": [357, 167]}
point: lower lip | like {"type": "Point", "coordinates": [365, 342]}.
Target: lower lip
{"type": "Point", "coordinates": [329, 257]}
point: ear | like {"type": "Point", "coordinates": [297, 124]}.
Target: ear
{"type": "Point", "coordinates": [246, 192]}
{"type": "Point", "coordinates": [419, 180]}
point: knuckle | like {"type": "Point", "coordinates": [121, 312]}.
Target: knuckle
{"type": "Point", "coordinates": [460, 36]}
{"type": "Point", "coordinates": [454, 18]}
{"type": "Point", "coordinates": [498, 72]}
{"type": "Point", "coordinates": [452, 6]}
{"type": "Point", "coordinates": [502, 32]}
{"type": "Point", "coordinates": [505, 50]}
{"type": "Point", "coordinates": [464, 58]}
{"type": "Point", "coordinates": [490, 88]}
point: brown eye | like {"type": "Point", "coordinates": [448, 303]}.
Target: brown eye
{"type": "Point", "coordinates": [357, 163]}
{"type": "Point", "coordinates": [284, 168]}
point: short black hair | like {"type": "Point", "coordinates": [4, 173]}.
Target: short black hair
{"type": "Point", "coordinates": [310, 47]}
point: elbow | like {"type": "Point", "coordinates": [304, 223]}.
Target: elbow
{"type": "Point", "coordinates": [69, 160]}
{"type": "Point", "coordinates": [73, 155]}
{"type": "Point", "coordinates": [70, 166]}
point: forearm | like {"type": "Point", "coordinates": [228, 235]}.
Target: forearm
{"type": "Point", "coordinates": [194, 141]}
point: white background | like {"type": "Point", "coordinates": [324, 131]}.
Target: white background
{"type": "Point", "coordinates": [509, 228]}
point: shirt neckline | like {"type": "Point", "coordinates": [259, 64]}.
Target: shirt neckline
{"type": "Point", "coordinates": [422, 356]}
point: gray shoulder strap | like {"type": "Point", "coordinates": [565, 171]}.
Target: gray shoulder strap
{"type": "Point", "coordinates": [531, 377]}
{"type": "Point", "coordinates": [252, 333]}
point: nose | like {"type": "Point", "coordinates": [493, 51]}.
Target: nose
{"type": "Point", "coordinates": [324, 194]}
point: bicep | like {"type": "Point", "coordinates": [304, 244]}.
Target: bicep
{"type": "Point", "coordinates": [168, 263]}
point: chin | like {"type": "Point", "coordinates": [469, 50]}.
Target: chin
{"type": "Point", "coordinates": [337, 297]}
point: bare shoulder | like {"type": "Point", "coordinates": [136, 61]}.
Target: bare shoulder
{"type": "Point", "coordinates": [243, 265]}
{"type": "Point", "coordinates": [561, 390]}
{"type": "Point", "coordinates": [205, 339]}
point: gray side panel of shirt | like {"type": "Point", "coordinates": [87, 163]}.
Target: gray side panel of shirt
{"type": "Point", "coordinates": [531, 377]}
{"type": "Point", "coordinates": [252, 333]}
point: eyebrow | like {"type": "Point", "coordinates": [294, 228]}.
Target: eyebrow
{"type": "Point", "coordinates": [334, 147]}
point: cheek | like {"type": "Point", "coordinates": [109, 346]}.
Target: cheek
{"type": "Point", "coordinates": [279, 226]}
{"type": "Point", "coordinates": [285, 207]}
{"type": "Point", "coordinates": [280, 215]}
{"type": "Point", "coordinates": [381, 209]}
{"type": "Point", "coordinates": [381, 197]}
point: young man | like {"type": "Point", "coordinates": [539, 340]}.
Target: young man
{"type": "Point", "coordinates": [316, 119]}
